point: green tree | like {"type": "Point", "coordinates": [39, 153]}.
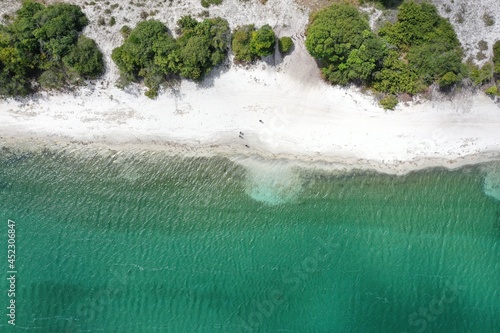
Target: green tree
{"type": "Point", "coordinates": [414, 23]}
{"type": "Point", "coordinates": [146, 55]}
{"type": "Point", "coordinates": [396, 76]}
{"type": "Point", "coordinates": [165, 48]}
{"type": "Point", "coordinates": [207, 3]}
{"type": "Point", "coordinates": [385, 3]}
{"type": "Point", "coordinates": [340, 38]}
{"type": "Point", "coordinates": [432, 61]}
{"type": "Point", "coordinates": [448, 80]}
{"type": "Point", "coordinates": [137, 52]}
{"type": "Point", "coordinates": [21, 31]}
{"type": "Point", "coordinates": [13, 71]}
{"type": "Point", "coordinates": [195, 57]}
{"type": "Point", "coordinates": [362, 62]}
{"type": "Point", "coordinates": [59, 27]}
{"type": "Point", "coordinates": [202, 46]}
{"type": "Point", "coordinates": [263, 41]}
{"type": "Point", "coordinates": [85, 58]}
{"type": "Point", "coordinates": [334, 32]}
{"type": "Point", "coordinates": [249, 44]}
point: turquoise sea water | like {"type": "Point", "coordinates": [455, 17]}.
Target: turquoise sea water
{"type": "Point", "coordinates": [139, 241]}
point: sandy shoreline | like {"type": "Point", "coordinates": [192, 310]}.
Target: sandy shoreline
{"type": "Point", "coordinates": [320, 124]}
{"type": "Point", "coordinates": [281, 105]}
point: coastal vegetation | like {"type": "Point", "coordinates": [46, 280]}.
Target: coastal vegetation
{"type": "Point", "coordinates": [150, 52]}
{"type": "Point", "coordinates": [493, 91]}
{"type": "Point", "coordinates": [249, 43]}
{"type": "Point", "coordinates": [240, 43]}
{"type": "Point", "coordinates": [208, 3]}
{"type": "Point", "coordinates": [407, 56]}
{"type": "Point", "coordinates": [285, 45]}
{"type": "Point", "coordinates": [495, 68]}
{"type": "Point", "coordinates": [496, 57]}
{"type": "Point", "coordinates": [43, 47]}
{"type": "Point", "coordinates": [263, 41]}
{"type": "Point", "coordinates": [480, 75]}
{"type": "Point", "coordinates": [384, 3]}
{"type": "Point", "coordinates": [427, 42]}
{"type": "Point", "coordinates": [389, 102]}
{"type": "Point", "coordinates": [341, 40]}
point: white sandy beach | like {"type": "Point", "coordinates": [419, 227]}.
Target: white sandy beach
{"type": "Point", "coordinates": [302, 117]}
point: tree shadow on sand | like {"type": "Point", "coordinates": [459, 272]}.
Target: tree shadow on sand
{"type": "Point", "coordinates": [391, 4]}
{"type": "Point", "coordinates": [209, 79]}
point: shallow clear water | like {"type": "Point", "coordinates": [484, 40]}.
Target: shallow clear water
{"type": "Point", "coordinates": [142, 242]}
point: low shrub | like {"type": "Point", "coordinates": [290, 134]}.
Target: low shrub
{"type": "Point", "coordinates": [488, 20]}
{"type": "Point", "coordinates": [240, 43]}
{"type": "Point", "coordinates": [125, 31]}
{"type": "Point", "coordinates": [389, 102]}
{"type": "Point", "coordinates": [285, 45]}
{"type": "Point", "coordinates": [493, 91]}
{"type": "Point", "coordinates": [481, 75]}
{"type": "Point", "coordinates": [496, 57]}
{"type": "Point", "coordinates": [208, 3]}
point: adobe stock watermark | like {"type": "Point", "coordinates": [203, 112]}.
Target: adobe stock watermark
{"type": "Point", "coordinates": [428, 313]}
{"type": "Point", "coordinates": [11, 272]}
{"type": "Point", "coordinates": [276, 123]}
{"type": "Point", "coordinates": [291, 281]}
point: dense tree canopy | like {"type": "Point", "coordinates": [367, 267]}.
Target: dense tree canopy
{"type": "Point", "coordinates": [43, 46]}
{"type": "Point", "coordinates": [429, 42]}
{"type": "Point", "coordinates": [396, 76]}
{"type": "Point", "coordinates": [85, 58]}
{"type": "Point", "coordinates": [140, 48]}
{"type": "Point", "coordinates": [334, 32]}
{"type": "Point", "coordinates": [420, 48]}
{"type": "Point", "coordinates": [340, 38]}
{"type": "Point", "coordinates": [202, 46]}
{"type": "Point", "coordinates": [152, 54]}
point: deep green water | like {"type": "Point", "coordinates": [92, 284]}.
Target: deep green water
{"type": "Point", "coordinates": [144, 242]}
